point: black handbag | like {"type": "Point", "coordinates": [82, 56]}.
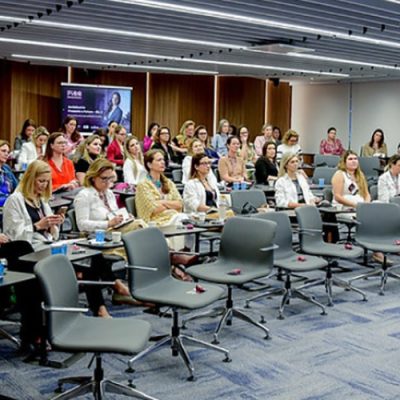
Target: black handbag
{"type": "Point", "coordinates": [248, 208]}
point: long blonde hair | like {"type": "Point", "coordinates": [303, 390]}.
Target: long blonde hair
{"type": "Point", "coordinates": [358, 174]}
{"type": "Point", "coordinates": [40, 131]}
{"type": "Point", "coordinates": [96, 169]}
{"type": "Point", "coordinates": [27, 183]}
{"type": "Point", "coordinates": [82, 151]}
{"type": "Point", "coordinates": [129, 156]}
{"type": "Point", "coordinates": [286, 158]}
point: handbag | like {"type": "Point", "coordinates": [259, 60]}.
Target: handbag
{"type": "Point", "coordinates": [248, 208]}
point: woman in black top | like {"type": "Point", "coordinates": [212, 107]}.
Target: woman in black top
{"type": "Point", "coordinates": [89, 151]}
{"type": "Point", "coordinates": [266, 166]}
{"type": "Point", "coordinates": [162, 141]}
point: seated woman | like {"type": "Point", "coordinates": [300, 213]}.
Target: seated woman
{"type": "Point", "coordinates": [27, 214]}
{"type": "Point", "coordinates": [266, 165]}
{"type": "Point", "coordinates": [231, 167]}
{"type": "Point", "coordinates": [290, 144]}
{"type": "Point", "coordinates": [149, 138]}
{"type": "Point", "coordinates": [219, 140]}
{"type": "Point", "coordinates": [8, 182]}
{"type": "Point", "coordinates": [181, 140]}
{"type": "Point", "coordinates": [62, 168]}
{"type": "Point", "coordinates": [102, 134]}
{"type": "Point", "coordinates": [115, 151]}
{"type": "Point", "coordinates": [376, 147]}
{"type": "Point", "coordinates": [162, 141]}
{"type": "Point", "coordinates": [35, 149]}
{"type": "Point", "coordinates": [90, 151]}
{"type": "Point", "coordinates": [277, 135]}
{"type": "Point", "coordinates": [331, 145]}
{"type": "Point", "coordinates": [266, 137]}
{"type": "Point", "coordinates": [71, 135]}
{"type": "Point", "coordinates": [246, 151]}
{"type": "Point", "coordinates": [200, 193]}
{"type": "Point", "coordinates": [195, 146]}
{"type": "Point", "coordinates": [291, 188]}
{"type": "Point", "coordinates": [202, 134]}
{"type": "Point", "coordinates": [26, 133]}
{"type": "Point", "coordinates": [389, 181]}
{"type": "Point", "coordinates": [134, 170]}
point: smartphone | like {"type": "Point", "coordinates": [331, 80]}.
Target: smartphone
{"type": "Point", "coordinates": [62, 210]}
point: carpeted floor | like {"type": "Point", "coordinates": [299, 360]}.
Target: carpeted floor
{"type": "Point", "coordinates": [353, 352]}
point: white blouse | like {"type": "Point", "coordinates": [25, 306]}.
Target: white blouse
{"type": "Point", "coordinates": [286, 191]}
{"type": "Point", "coordinates": [388, 187]}
{"type": "Point", "coordinates": [194, 194]}
{"type": "Point", "coordinates": [129, 176]}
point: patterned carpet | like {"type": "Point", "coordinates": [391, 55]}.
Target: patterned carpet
{"type": "Point", "coordinates": [352, 352]}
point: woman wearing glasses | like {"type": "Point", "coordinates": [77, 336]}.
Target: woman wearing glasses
{"type": "Point", "coordinates": [62, 168]}
{"type": "Point", "coordinates": [290, 144]}
{"type": "Point", "coordinates": [200, 193]}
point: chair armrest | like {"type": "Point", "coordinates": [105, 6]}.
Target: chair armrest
{"type": "Point", "coordinates": [96, 283]}
{"type": "Point", "coordinates": [269, 248]}
{"type": "Point", "coordinates": [189, 253]}
{"type": "Point", "coordinates": [64, 309]}
{"type": "Point", "coordinates": [142, 268]}
{"type": "Point", "coordinates": [310, 232]}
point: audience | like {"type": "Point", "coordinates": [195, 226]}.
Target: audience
{"type": "Point", "coordinates": [267, 136]}
{"type": "Point", "coordinates": [201, 193]}
{"type": "Point", "coordinates": [26, 133]}
{"type": "Point", "coordinates": [134, 170]}
{"type": "Point", "coordinates": [195, 146]}
{"type": "Point", "coordinates": [266, 165]}
{"type": "Point", "coordinates": [331, 145]}
{"type": "Point", "coordinates": [71, 134]}
{"type": "Point", "coordinates": [376, 147]}
{"type": "Point", "coordinates": [162, 142]}
{"type": "Point", "coordinates": [27, 214]}
{"type": "Point", "coordinates": [218, 142]}
{"type": "Point", "coordinates": [8, 182]}
{"type": "Point", "coordinates": [62, 168]}
{"type": "Point", "coordinates": [35, 148]}
{"type": "Point", "coordinates": [150, 136]}
{"type": "Point", "coordinates": [202, 134]}
{"type": "Point", "coordinates": [291, 188]}
{"type": "Point", "coordinates": [90, 151]}
{"type": "Point", "coordinates": [389, 182]}
{"type": "Point", "coordinates": [290, 144]}
{"type": "Point", "coordinates": [246, 151]}
{"type": "Point", "coordinates": [115, 151]}
{"type": "Point", "coordinates": [231, 167]}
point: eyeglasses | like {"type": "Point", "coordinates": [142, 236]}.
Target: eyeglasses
{"type": "Point", "coordinates": [202, 133]}
{"type": "Point", "coordinates": [107, 178]}
{"type": "Point", "coordinates": [61, 143]}
{"type": "Point", "coordinates": [206, 163]}
{"type": "Point", "coordinates": [164, 133]}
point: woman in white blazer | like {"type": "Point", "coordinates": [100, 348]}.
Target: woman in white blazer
{"type": "Point", "coordinates": [134, 170]}
{"type": "Point", "coordinates": [34, 149]}
{"type": "Point", "coordinates": [389, 182]}
{"type": "Point", "coordinates": [291, 188]}
{"type": "Point", "coordinates": [27, 214]}
{"type": "Point", "coordinates": [200, 193]}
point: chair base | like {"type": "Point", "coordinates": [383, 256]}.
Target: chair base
{"type": "Point", "coordinates": [98, 386]}
{"type": "Point", "coordinates": [176, 341]}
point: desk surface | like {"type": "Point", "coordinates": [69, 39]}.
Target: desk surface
{"type": "Point", "coordinates": [14, 277]}
{"type": "Point", "coordinates": [175, 231]}
{"type": "Point", "coordinates": [59, 202]}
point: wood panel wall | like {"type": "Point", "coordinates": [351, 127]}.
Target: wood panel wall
{"type": "Point", "coordinates": [242, 101]}
{"type": "Point", "coordinates": [131, 79]}
{"type": "Point", "coordinates": [174, 99]}
{"type": "Point", "coordinates": [5, 95]}
{"type": "Point", "coordinates": [279, 104]}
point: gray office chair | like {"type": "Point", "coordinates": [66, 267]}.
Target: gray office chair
{"type": "Point", "coordinates": [287, 260]}
{"type": "Point", "coordinates": [239, 198]}
{"type": "Point", "coordinates": [245, 254]}
{"type": "Point", "coordinates": [370, 167]}
{"type": "Point", "coordinates": [311, 242]}
{"type": "Point", "coordinates": [131, 205]}
{"type": "Point", "coordinates": [321, 160]}
{"type": "Point", "coordinates": [151, 281]}
{"type": "Point", "coordinates": [378, 231]}
{"type": "Point", "coordinates": [177, 175]}
{"type": "Point", "coordinates": [72, 218]}
{"type": "Point", "coordinates": [373, 191]}
{"type": "Point", "coordinates": [395, 200]}
{"type": "Point", "coordinates": [72, 331]}
{"type": "Point", "coordinates": [325, 173]}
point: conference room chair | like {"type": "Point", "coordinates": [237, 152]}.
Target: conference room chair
{"type": "Point", "coordinates": [379, 231]}
{"type": "Point", "coordinates": [177, 175]}
{"type": "Point", "coordinates": [373, 191]}
{"type": "Point", "coordinates": [150, 281]}
{"type": "Point", "coordinates": [289, 262]}
{"type": "Point", "coordinates": [131, 205]}
{"type": "Point", "coordinates": [324, 173]}
{"type": "Point", "coordinates": [241, 199]}
{"type": "Point", "coordinates": [70, 330]}
{"type": "Point", "coordinates": [245, 254]}
{"type": "Point", "coordinates": [370, 166]}
{"type": "Point", "coordinates": [395, 200]}
{"type": "Point", "coordinates": [311, 242]}
{"type": "Point", "coordinates": [321, 160]}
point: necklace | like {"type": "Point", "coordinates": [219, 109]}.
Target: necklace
{"type": "Point", "coordinates": [156, 182]}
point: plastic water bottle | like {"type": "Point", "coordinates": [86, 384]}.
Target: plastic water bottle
{"type": "Point", "coordinates": [223, 206]}
{"type": "Point", "coordinates": [3, 268]}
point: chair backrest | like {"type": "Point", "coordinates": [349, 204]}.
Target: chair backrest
{"type": "Point", "coordinates": [240, 197]}
{"type": "Point", "coordinates": [147, 248]}
{"type": "Point", "coordinates": [328, 194]}
{"type": "Point", "coordinates": [283, 235]}
{"type": "Point", "coordinates": [177, 175]}
{"type": "Point", "coordinates": [242, 239]}
{"type": "Point", "coordinates": [310, 226]}
{"type": "Point", "coordinates": [369, 165]}
{"type": "Point", "coordinates": [131, 205]}
{"type": "Point", "coordinates": [72, 217]}
{"type": "Point", "coordinates": [325, 173]}
{"type": "Point", "coordinates": [12, 251]}
{"type": "Point", "coordinates": [373, 191]}
{"type": "Point", "coordinates": [325, 160]}
{"type": "Point", "coordinates": [378, 220]}
{"type": "Point", "coordinates": [57, 279]}
{"type": "Point", "coordinates": [395, 200]}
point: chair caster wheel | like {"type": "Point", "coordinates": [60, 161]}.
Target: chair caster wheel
{"type": "Point", "coordinates": [215, 341]}
{"type": "Point", "coordinates": [280, 316]}
{"type": "Point", "coordinates": [330, 304]}
{"type": "Point", "coordinates": [262, 320]}
{"type": "Point", "coordinates": [381, 293]}
{"type": "Point", "coordinates": [268, 337]}
{"type": "Point", "coordinates": [183, 327]}
{"type": "Point", "coordinates": [131, 384]}
{"type": "Point", "coordinates": [324, 313]}
{"type": "Point", "coordinates": [191, 379]}
{"type": "Point", "coordinates": [247, 305]}
{"type": "Point", "coordinates": [364, 299]}
{"type": "Point", "coordinates": [130, 370]}
{"type": "Point", "coordinates": [59, 389]}
{"type": "Point", "coordinates": [227, 359]}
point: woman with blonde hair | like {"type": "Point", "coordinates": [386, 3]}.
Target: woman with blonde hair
{"type": "Point", "coordinates": [185, 134]}
{"type": "Point", "coordinates": [27, 214]}
{"type": "Point", "coordinates": [220, 138]}
{"type": "Point", "coordinates": [290, 144]}
{"type": "Point", "coordinates": [291, 188]}
{"type": "Point", "coordinates": [266, 137]}
{"type": "Point", "coordinates": [115, 151]}
{"type": "Point", "coordinates": [35, 149]}
{"type": "Point", "coordinates": [195, 146]}
{"type": "Point", "coordinates": [134, 170]}
{"type": "Point", "coordinates": [246, 151]}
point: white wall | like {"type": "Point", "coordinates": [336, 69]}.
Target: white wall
{"type": "Point", "coordinates": [316, 107]}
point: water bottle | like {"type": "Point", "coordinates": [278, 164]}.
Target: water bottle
{"type": "Point", "coordinates": [223, 205]}
{"type": "Point", "coordinates": [3, 268]}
